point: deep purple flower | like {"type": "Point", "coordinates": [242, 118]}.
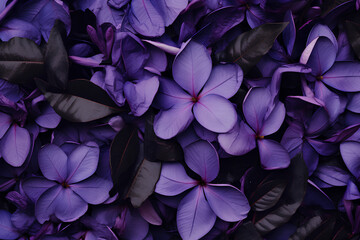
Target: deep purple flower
{"type": "Point", "coordinates": [69, 184]}
{"type": "Point", "coordinates": [199, 91]}
{"type": "Point", "coordinates": [197, 211]}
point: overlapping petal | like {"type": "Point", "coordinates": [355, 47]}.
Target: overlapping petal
{"type": "Point", "coordinates": [227, 202]}
{"type": "Point", "coordinates": [173, 180]}
{"type": "Point", "coordinates": [215, 113]}
{"type": "Point", "coordinates": [203, 159]}
{"type": "Point", "coordinates": [192, 67]}
{"type": "Point", "coordinates": [82, 162]}
{"type": "Point", "coordinates": [53, 163]}
{"type": "Point", "coordinates": [194, 217]}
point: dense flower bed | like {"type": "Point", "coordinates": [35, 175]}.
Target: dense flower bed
{"type": "Point", "coordinates": [179, 119]}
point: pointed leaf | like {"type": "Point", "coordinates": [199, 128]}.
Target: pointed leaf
{"type": "Point", "coordinates": [124, 151]}
{"type": "Point", "coordinates": [56, 58]}
{"type": "Point", "coordinates": [144, 182]}
{"type": "Point", "coordinates": [353, 34]}
{"type": "Point", "coordinates": [249, 47]}
{"type": "Point", "coordinates": [77, 105]}
{"type": "Point", "coordinates": [267, 195]}
{"type": "Point", "coordinates": [20, 60]}
{"type": "Point", "coordinates": [291, 200]}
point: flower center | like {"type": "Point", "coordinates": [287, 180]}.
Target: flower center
{"type": "Point", "coordinates": [65, 185]}
{"type": "Point", "coordinates": [194, 99]}
{"type": "Point", "coordinates": [201, 183]}
{"type": "Point", "coordinates": [258, 137]}
{"type": "Point", "coordinates": [319, 78]}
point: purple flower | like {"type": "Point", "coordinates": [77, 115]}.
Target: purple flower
{"type": "Point", "coordinates": [69, 184]}
{"type": "Point", "coordinates": [199, 91]}
{"type": "Point", "coordinates": [197, 211]}
{"type": "Point", "coordinates": [264, 117]}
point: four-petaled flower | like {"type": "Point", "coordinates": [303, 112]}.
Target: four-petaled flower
{"type": "Point", "coordinates": [69, 184]}
{"type": "Point", "coordinates": [199, 91]}
{"type": "Point", "coordinates": [197, 211]}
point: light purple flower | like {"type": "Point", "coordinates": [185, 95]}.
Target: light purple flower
{"type": "Point", "coordinates": [199, 91]}
{"type": "Point", "coordinates": [205, 201]}
{"type": "Point", "coordinates": [69, 184]}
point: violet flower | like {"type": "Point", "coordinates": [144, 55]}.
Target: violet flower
{"type": "Point", "coordinates": [199, 92]}
{"type": "Point", "coordinates": [69, 184]}
{"type": "Point", "coordinates": [263, 117]}
{"type": "Point", "coordinates": [198, 210]}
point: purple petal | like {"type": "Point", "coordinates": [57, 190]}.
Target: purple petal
{"type": "Point", "coordinates": [140, 94]}
{"type": "Point", "coordinates": [157, 59]}
{"type": "Point", "coordinates": [194, 216]}
{"type": "Point", "coordinates": [15, 145]}
{"type": "Point", "coordinates": [169, 94]}
{"type": "Point", "coordinates": [43, 15]}
{"type": "Point", "coordinates": [35, 186]}
{"type": "Point", "coordinates": [48, 117]}
{"type": "Point", "coordinates": [320, 30]}
{"type": "Point", "coordinates": [203, 133]}
{"type": "Point", "coordinates": [215, 113]}
{"type": "Point", "coordinates": [192, 67]}
{"type": "Point", "coordinates": [344, 134]}
{"type": "Point", "coordinates": [353, 104]}
{"type": "Point", "coordinates": [82, 162]}
{"type": "Point", "coordinates": [351, 156]}
{"type": "Point", "coordinates": [323, 148]}
{"type": "Point", "coordinates": [173, 180]}
{"type": "Point", "coordinates": [310, 156]}
{"type": "Point", "coordinates": [135, 227]}
{"type": "Point", "coordinates": [318, 122]}
{"type": "Point", "coordinates": [94, 190]}
{"type": "Point", "coordinates": [322, 56]}
{"type": "Point", "coordinates": [19, 28]}
{"type": "Point", "coordinates": [274, 121]}
{"type": "Point", "coordinates": [93, 61]}
{"type": "Point", "coordinates": [240, 140]}
{"type": "Point", "coordinates": [352, 191]}
{"type": "Point", "coordinates": [53, 163]}
{"type": "Point", "coordinates": [166, 48]}
{"type": "Point", "coordinates": [332, 175]}
{"type": "Point", "coordinates": [292, 138]}
{"type": "Point", "coordinates": [5, 122]}
{"type": "Point", "coordinates": [203, 159]}
{"type": "Point", "coordinates": [146, 19]}
{"type": "Point", "coordinates": [344, 76]}
{"type": "Point", "coordinates": [272, 155]}
{"type": "Point", "coordinates": [63, 202]}
{"type": "Point", "coordinates": [170, 9]}
{"type": "Point", "coordinates": [255, 107]}
{"type": "Point", "coordinates": [334, 103]}
{"type": "Point", "coordinates": [227, 202]}
{"type": "Point", "coordinates": [255, 16]}
{"type": "Point", "coordinates": [148, 212]}
{"type": "Point", "coordinates": [168, 123]}
{"type": "Point", "coordinates": [224, 80]}
{"type": "Point", "coordinates": [7, 231]}
{"type": "Point", "coordinates": [289, 33]}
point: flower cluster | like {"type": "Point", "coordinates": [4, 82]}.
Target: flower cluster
{"type": "Point", "coordinates": [179, 119]}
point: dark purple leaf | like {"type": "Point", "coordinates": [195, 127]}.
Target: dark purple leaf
{"type": "Point", "coordinates": [249, 47]}
{"type": "Point", "coordinates": [56, 58]}
{"type": "Point", "coordinates": [20, 60]}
